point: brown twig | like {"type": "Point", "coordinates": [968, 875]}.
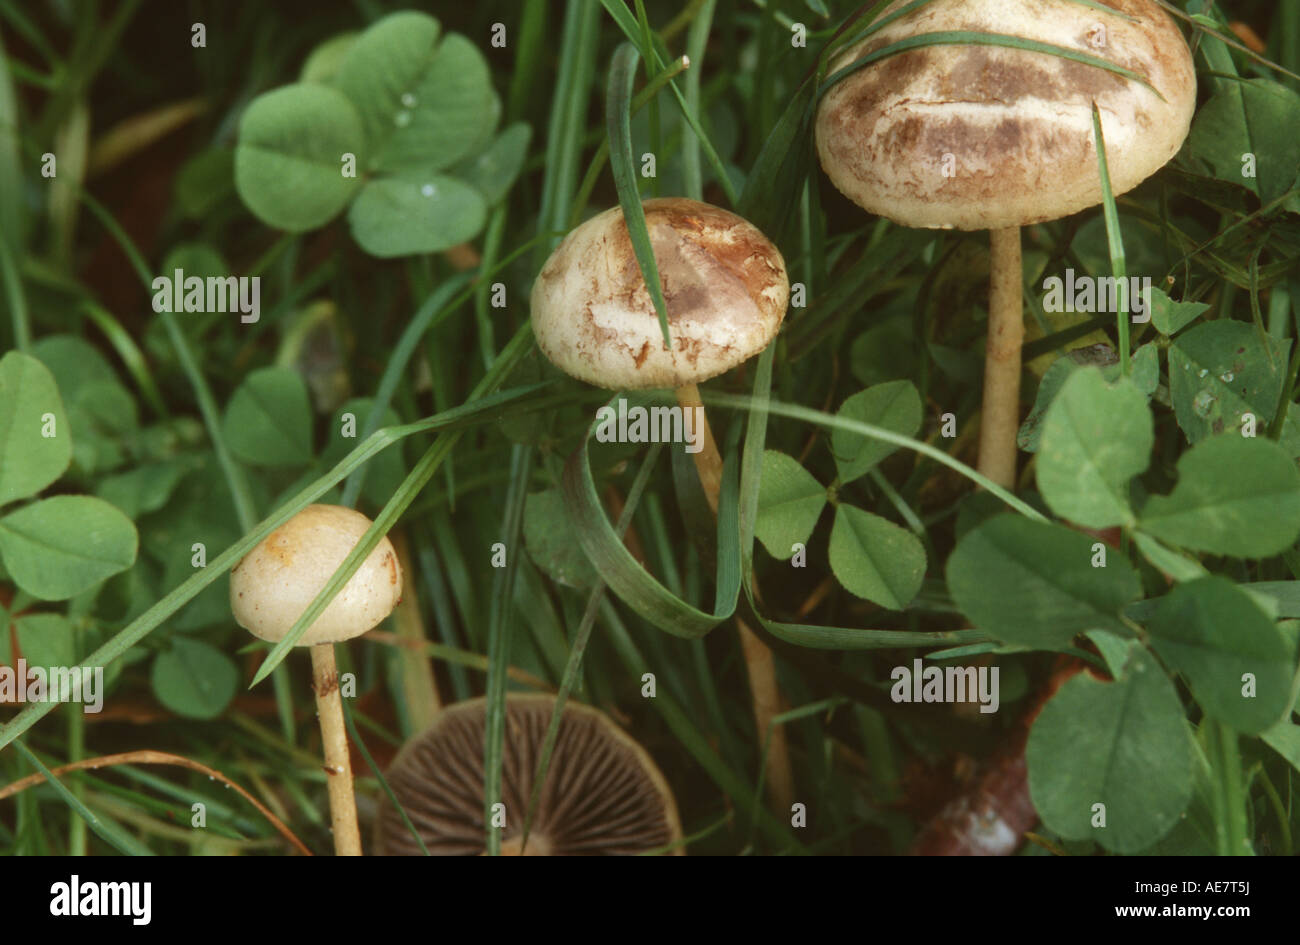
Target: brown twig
{"type": "Point", "coordinates": [150, 757]}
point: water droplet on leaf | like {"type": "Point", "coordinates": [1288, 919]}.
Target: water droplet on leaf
{"type": "Point", "coordinates": [1203, 403]}
{"type": "Point", "coordinates": [402, 119]}
{"type": "Point", "coordinates": [408, 99]}
{"type": "Point", "coordinates": [1226, 378]}
{"type": "Point", "coordinates": [428, 190]}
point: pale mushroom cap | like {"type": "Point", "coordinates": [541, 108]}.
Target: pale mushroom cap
{"type": "Point", "coordinates": [603, 794]}
{"type": "Point", "coordinates": [985, 137]}
{"type": "Point", "coordinates": [277, 580]}
{"type": "Point", "coordinates": [724, 285]}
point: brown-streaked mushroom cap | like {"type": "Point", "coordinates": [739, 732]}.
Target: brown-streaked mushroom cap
{"type": "Point", "coordinates": [277, 580]}
{"type": "Point", "coordinates": [724, 285]}
{"type": "Point", "coordinates": [987, 137]}
{"type": "Point", "coordinates": [603, 795]}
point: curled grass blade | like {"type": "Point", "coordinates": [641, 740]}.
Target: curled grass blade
{"type": "Point", "coordinates": [581, 638]}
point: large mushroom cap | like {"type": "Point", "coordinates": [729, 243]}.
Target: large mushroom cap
{"type": "Point", "coordinates": [603, 794]}
{"type": "Point", "coordinates": [723, 281]}
{"type": "Point", "coordinates": [986, 137]}
{"type": "Point", "coordinates": [277, 580]}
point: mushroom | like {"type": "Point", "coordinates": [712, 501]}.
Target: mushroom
{"type": "Point", "coordinates": [988, 137]}
{"type": "Point", "coordinates": [726, 291]}
{"type": "Point", "coordinates": [275, 583]}
{"type": "Point", "coordinates": [603, 794]}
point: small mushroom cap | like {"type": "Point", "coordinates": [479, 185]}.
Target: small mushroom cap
{"type": "Point", "coordinates": [277, 580]}
{"type": "Point", "coordinates": [603, 794]}
{"type": "Point", "coordinates": [986, 137]}
{"type": "Point", "coordinates": [724, 286]}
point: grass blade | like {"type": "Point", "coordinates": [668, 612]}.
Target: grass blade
{"type": "Point", "coordinates": [618, 118]}
{"type": "Point", "coordinates": [411, 486]}
{"type": "Point", "coordinates": [498, 649]}
{"type": "Point", "coordinates": [969, 38]}
{"type": "Point", "coordinates": [110, 832]}
{"type": "Point", "coordinates": [1115, 243]}
{"type": "Point", "coordinates": [481, 411]}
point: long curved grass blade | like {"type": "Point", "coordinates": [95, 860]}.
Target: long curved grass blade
{"type": "Point", "coordinates": [482, 411]}
{"type": "Point", "coordinates": [625, 576]}
{"type": "Point", "coordinates": [847, 37]}
{"type": "Point", "coordinates": [821, 418]}
{"type": "Point", "coordinates": [972, 38]}
{"type": "Point", "coordinates": [420, 323]}
{"type": "Point", "coordinates": [618, 122]}
{"type": "Point", "coordinates": [411, 486]}
{"type": "Point", "coordinates": [737, 509]}
{"type": "Point", "coordinates": [1102, 8]}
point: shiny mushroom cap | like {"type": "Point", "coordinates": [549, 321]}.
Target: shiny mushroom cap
{"type": "Point", "coordinates": [723, 281]}
{"type": "Point", "coordinates": [277, 580]}
{"type": "Point", "coordinates": [986, 137]}
{"type": "Point", "coordinates": [603, 794]}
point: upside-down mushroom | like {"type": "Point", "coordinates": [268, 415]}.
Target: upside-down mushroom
{"type": "Point", "coordinates": [603, 794]}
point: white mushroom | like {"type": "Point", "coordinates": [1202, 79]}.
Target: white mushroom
{"type": "Point", "coordinates": [272, 587]}
{"type": "Point", "coordinates": [982, 137]}
{"type": "Point", "coordinates": [726, 291]}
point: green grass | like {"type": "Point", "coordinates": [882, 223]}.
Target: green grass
{"type": "Point", "coordinates": [493, 444]}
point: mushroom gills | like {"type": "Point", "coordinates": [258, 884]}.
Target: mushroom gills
{"type": "Point", "coordinates": [603, 794]}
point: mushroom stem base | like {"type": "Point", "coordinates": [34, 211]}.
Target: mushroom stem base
{"type": "Point", "coordinates": [338, 762]}
{"type": "Point", "coordinates": [1000, 416]}
{"type": "Point", "coordinates": [760, 665]}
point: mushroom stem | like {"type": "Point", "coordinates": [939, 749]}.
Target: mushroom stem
{"type": "Point", "coordinates": [1000, 416]}
{"type": "Point", "coordinates": [760, 666]}
{"type": "Point", "coordinates": [338, 762]}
